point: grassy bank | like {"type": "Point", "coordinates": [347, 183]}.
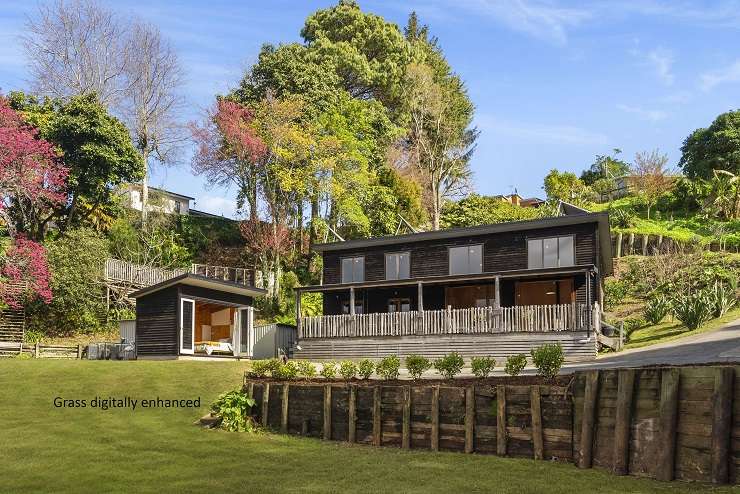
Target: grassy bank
{"type": "Point", "coordinates": [669, 330]}
{"type": "Point", "coordinates": [45, 448]}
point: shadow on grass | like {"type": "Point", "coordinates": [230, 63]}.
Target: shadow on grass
{"type": "Point", "coordinates": [661, 333]}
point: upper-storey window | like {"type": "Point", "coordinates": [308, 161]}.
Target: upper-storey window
{"type": "Point", "coordinates": [466, 260]}
{"type": "Point", "coordinates": [397, 266]}
{"type": "Point", "coordinates": [551, 252]}
{"type": "Point", "coordinates": [353, 269]}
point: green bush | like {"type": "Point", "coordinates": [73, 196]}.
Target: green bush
{"type": "Point", "coordinates": [656, 308]}
{"type": "Point", "coordinates": [515, 364]}
{"type": "Point", "coordinates": [621, 218]}
{"type": "Point", "coordinates": [482, 366]}
{"type": "Point", "coordinates": [348, 369]}
{"type": "Point", "coordinates": [306, 369]}
{"type": "Point", "coordinates": [723, 299]}
{"type": "Point", "coordinates": [365, 368]}
{"type": "Point", "coordinates": [615, 291]}
{"type": "Point", "coordinates": [329, 370]}
{"type": "Point", "coordinates": [288, 370]}
{"type": "Point", "coordinates": [233, 408]}
{"type": "Point", "coordinates": [417, 365]}
{"type": "Point", "coordinates": [450, 365]}
{"type": "Point", "coordinates": [631, 325]}
{"type": "Point", "coordinates": [264, 368]}
{"type": "Point", "coordinates": [32, 336]}
{"type": "Point", "coordinates": [388, 367]}
{"type": "Point", "coordinates": [693, 309]}
{"type": "Point", "coordinates": [548, 359]}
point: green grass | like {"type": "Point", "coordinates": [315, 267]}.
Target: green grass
{"type": "Point", "coordinates": [669, 330]}
{"type": "Point", "coordinates": [43, 448]}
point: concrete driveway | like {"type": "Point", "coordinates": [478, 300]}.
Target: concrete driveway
{"type": "Point", "coordinates": [722, 345]}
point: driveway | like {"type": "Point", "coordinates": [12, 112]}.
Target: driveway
{"type": "Point", "coordinates": [722, 345]}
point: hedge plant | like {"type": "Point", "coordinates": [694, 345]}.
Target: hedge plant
{"type": "Point", "coordinates": [347, 369]}
{"type": "Point", "coordinates": [515, 364]}
{"type": "Point", "coordinates": [482, 366]}
{"type": "Point", "coordinates": [450, 365]}
{"type": "Point", "coordinates": [365, 368]}
{"type": "Point", "coordinates": [388, 367]}
{"type": "Point", "coordinates": [417, 365]}
{"type": "Point", "coordinates": [548, 359]}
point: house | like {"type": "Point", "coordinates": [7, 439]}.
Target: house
{"type": "Point", "coordinates": [516, 200]}
{"type": "Point", "coordinates": [486, 290]}
{"type": "Point", "coordinates": [192, 315]}
{"type": "Point", "coordinates": [163, 201]}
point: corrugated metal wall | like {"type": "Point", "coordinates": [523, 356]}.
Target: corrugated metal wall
{"type": "Point", "coordinates": [270, 337]}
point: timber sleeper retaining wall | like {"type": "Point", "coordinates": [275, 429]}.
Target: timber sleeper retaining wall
{"type": "Point", "coordinates": [665, 423]}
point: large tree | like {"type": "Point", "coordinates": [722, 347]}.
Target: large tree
{"type": "Point", "coordinates": [605, 166]}
{"type": "Point", "coordinates": [566, 186]}
{"type": "Point", "coordinates": [95, 146]}
{"type": "Point", "coordinates": [716, 147]}
{"type": "Point", "coordinates": [651, 177]}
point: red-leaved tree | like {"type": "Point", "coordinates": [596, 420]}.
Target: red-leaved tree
{"type": "Point", "coordinates": [24, 275]}
{"type": "Point", "coordinates": [266, 243]}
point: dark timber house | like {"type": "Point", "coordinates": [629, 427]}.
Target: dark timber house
{"type": "Point", "coordinates": [191, 315]}
{"type": "Point", "coordinates": [488, 290]}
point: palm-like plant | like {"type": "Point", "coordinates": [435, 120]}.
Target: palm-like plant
{"type": "Point", "coordinates": [724, 198]}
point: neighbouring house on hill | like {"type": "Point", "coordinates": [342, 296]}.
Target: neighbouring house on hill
{"type": "Point", "coordinates": [487, 290]}
{"type": "Point", "coordinates": [517, 200]}
{"type": "Point", "coordinates": [163, 201]}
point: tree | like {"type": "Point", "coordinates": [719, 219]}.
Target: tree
{"type": "Point", "coordinates": [77, 47]}
{"type": "Point", "coordinates": [475, 210]}
{"type": "Point", "coordinates": [715, 148]}
{"type": "Point", "coordinates": [32, 176]}
{"type": "Point", "coordinates": [650, 176]}
{"type": "Point", "coordinates": [154, 79]}
{"type": "Point", "coordinates": [566, 186]}
{"type": "Point", "coordinates": [440, 142]}
{"type": "Point", "coordinates": [24, 274]}
{"type": "Point", "coordinates": [267, 244]}
{"type": "Point", "coordinates": [724, 195]}
{"type": "Point", "coordinates": [605, 167]}
{"type": "Point", "coordinates": [95, 146]}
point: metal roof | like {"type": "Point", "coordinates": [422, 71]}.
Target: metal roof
{"type": "Point", "coordinates": [204, 282]}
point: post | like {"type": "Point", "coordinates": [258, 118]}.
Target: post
{"type": "Point", "coordinates": [298, 313]}
{"type": "Point", "coordinates": [352, 419]}
{"type": "Point", "coordinates": [376, 416]}
{"type": "Point", "coordinates": [469, 419]}
{"type": "Point", "coordinates": [79, 351]}
{"type": "Point", "coordinates": [406, 430]}
{"type": "Point", "coordinates": [721, 423]}
{"type": "Point", "coordinates": [327, 411]}
{"type": "Point", "coordinates": [284, 403]}
{"type": "Point", "coordinates": [588, 419]}
{"type": "Point", "coordinates": [619, 245]}
{"type": "Point", "coordinates": [265, 403]}
{"type": "Point", "coordinates": [497, 293]}
{"type": "Point", "coordinates": [434, 435]}
{"type": "Point", "coordinates": [536, 408]}
{"type": "Point", "coordinates": [420, 294]}
{"type": "Point", "coordinates": [623, 421]}
{"type": "Point", "coordinates": [668, 419]}
{"type": "Point", "coordinates": [501, 420]}
{"type": "Point", "coordinates": [352, 300]}
{"type": "Point", "coordinates": [250, 390]}
{"type": "Point", "coordinates": [36, 350]}
{"type": "Point", "coordinates": [645, 239]}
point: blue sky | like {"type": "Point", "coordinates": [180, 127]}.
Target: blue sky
{"type": "Point", "coordinates": [554, 83]}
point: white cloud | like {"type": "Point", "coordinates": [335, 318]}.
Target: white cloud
{"type": "Point", "coordinates": [642, 113]}
{"type": "Point", "coordinates": [537, 18]}
{"type": "Point", "coordinates": [662, 61]}
{"type": "Point", "coordinates": [561, 134]}
{"type": "Point", "coordinates": [729, 74]}
{"type": "Point", "coordinates": [216, 205]}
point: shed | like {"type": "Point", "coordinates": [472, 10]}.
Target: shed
{"type": "Point", "coordinates": [194, 315]}
{"type": "Point", "coordinates": [271, 339]}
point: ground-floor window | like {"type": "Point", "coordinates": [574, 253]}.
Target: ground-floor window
{"type": "Point", "coordinates": [399, 305]}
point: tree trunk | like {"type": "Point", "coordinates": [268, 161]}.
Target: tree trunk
{"type": "Point", "coordinates": [145, 187]}
{"type": "Point", "coordinates": [436, 206]}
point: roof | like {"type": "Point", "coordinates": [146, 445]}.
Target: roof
{"type": "Point", "coordinates": [204, 214]}
{"type": "Point", "coordinates": [163, 191]}
{"type": "Point", "coordinates": [203, 282]}
{"type": "Point", "coordinates": [573, 216]}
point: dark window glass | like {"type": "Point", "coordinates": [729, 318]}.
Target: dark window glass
{"type": "Point", "coordinates": [353, 269]}
{"type": "Point", "coordinates": [397, 266]}
{"type": "Point", "coordinates": [466, 260]}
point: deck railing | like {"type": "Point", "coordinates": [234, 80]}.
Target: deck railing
{"type": "Point", "coordinates": [530, 318]}
{"type": "Point", "coordinates": [138, 275]}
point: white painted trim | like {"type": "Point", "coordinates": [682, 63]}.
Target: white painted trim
{"type": "Point", "coordinates": [183, 350]}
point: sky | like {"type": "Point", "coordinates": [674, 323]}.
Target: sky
{"type": "Point", "coordinates": [554, 83]}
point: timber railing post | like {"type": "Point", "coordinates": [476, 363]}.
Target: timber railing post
{"type": "Point", "coordinates": [327, 411]}
{"type": "Point", "coordinates": [352, 419]}
{"type": "Point", "coordinates": [588, 419]}
{"type": "Point", "coordinates": [284, 403]}
{"type": "Point", "coordinates": [668, 421]}
{"type": "Point", "coordinates": [501, 420]}
{"type": "Point", "coordinates": [722, 423]}
{"type": "Point", "coordinates": [434, 435]}
{"type": "Point", "coordinates": [623, 421]}
{"type": "Point", "coordinates": [406, 428]}
{"type": "Point", "coordinates": [79, 351]}
{"type": "Point", "coordinates": [265, 403]}
{"type": "Point", "coordinates": [377, 433]}
{"type": "Point", "coordinates": [469, 419]}
{"type": "Point", "coordinates": [535, 406]}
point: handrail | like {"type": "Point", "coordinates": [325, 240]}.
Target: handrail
{"type": "Point", "coordinates": [140, 275]}
{"type": "Point", "coordinates": [475, 320]}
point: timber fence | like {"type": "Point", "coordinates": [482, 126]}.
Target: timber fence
{"type": "Point", "coordinates": [12, 349]}
{"type": "Point", "coordinates": [665, 423]}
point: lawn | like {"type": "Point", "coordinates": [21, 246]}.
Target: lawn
{"type": "Point", "coordinates": [671, 329]}
{"type": "Point", "coordinates": [44, 448]}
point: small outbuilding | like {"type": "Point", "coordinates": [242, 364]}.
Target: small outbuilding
{"type": "Point", "coordinates": [192, 315]}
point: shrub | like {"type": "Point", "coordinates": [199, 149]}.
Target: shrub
{"type": "Point", "coordinates": [33, 336]}
{"type": "Point", "coordinates": [288, 370]}
{"type": "Point", "coordinates": [515, 364]}
{"type": "Point", "coordinates": [233, 408]}
{"type": "Point", "coordinates": [621, 218]}
{"type": "Point", "coordinates": [306, 369]}
{"type": "Point", "coordinates": [417, 365]}
{"type": "Point", "coordinates": [631, 325]}
{"type": "Point", "coordinates": [450, 365]}
{"type": "Point", "coordinates": [548, 359]}
{"type": "Point", "coordinates": [329, 370]}
{"type": "Point", "coordinates": [265, 368]}
{"type": "Point", "coordinates": [615, 291]}
{"type": "Point", "coordinates": [365, 368]}
{"type": "Point", "coordinates": [657, 307]}
{"type": "Point", "coordinates": [348, 369]}
{"type": "Point", "coordinates": [388, 367]}
{"type": "Point", "coordinates": [723, 299]}
{"type": "Point", "coordinates": [482, 366]}
{"type": "Point", "coordinates": [693, 309]}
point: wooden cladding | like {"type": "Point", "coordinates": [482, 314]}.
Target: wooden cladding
{"type": "Point", "coordinates": [665, 423]}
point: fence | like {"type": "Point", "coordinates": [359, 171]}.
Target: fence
{"type": "Point", "coordinates": [41, 351]}
{"type": "Point", "coordinates": [624, 244]}
{"type": "Point", "coordinates": [138, 275]}
{"type": "Point", "coordinates": [533, 318]}
{"type": "Point", "coordinates": [664, 423]}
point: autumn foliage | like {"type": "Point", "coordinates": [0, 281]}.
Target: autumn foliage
{"type": "Point", "coordinates": [24, 274]}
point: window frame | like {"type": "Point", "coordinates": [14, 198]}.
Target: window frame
{"type": "Point", "coordinates": [341, 270]}
{"type": "Point", "coordinates": [449, 258]}
{"type": "Point", "coordinates": [572, 236]}
{"type": "Point", "coordinates": [385, 265]}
